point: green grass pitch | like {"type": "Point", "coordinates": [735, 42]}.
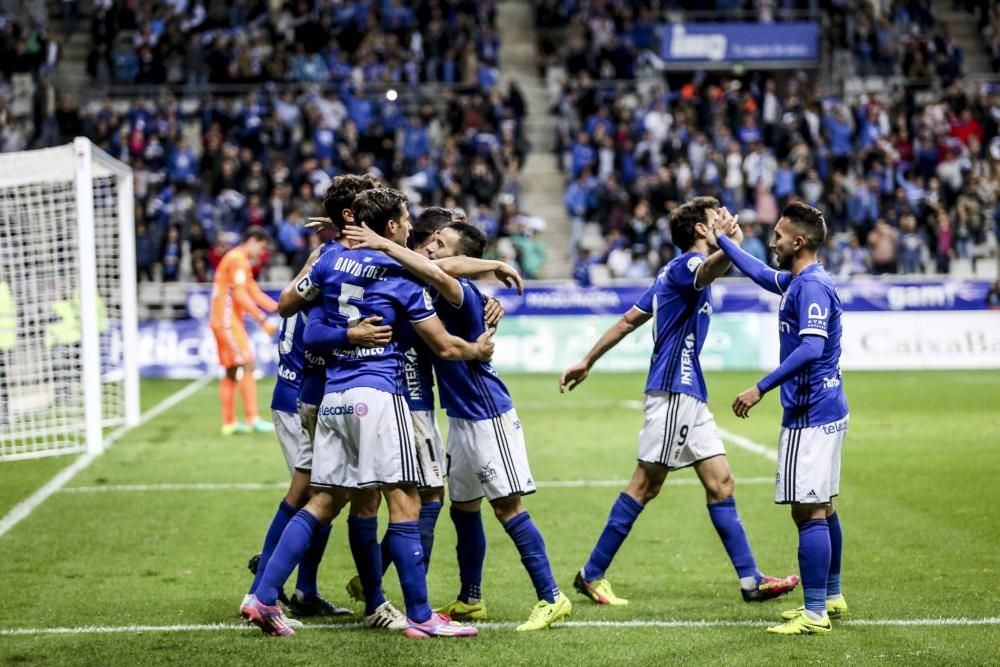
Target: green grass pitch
{"type": "Point", "coordinates": [919, 507]}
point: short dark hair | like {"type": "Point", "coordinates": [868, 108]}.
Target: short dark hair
{"type": "Point", "coordinates": [377, 207]}
{"type": "Point", "coordinates": [471, 240]}
{"type": "Point", "coordinates": [808, 221]}
{"type": "Point", "coordinates": [686, 216]}
{"type": "Point", "coordinates": [256, 234]}
{"type": "Point", "coordinates": [341, 193]}
{"type": "Point", "coordinates": [431, 219]}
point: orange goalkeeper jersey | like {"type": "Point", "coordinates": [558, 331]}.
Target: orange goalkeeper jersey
{"type": "Point", "coordinates": [235, 293]}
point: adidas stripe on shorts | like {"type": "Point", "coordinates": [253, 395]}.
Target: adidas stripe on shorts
{"type": "Point", "coordinates": [430, 447]}
{"type": "Point", "coordinates": [678, 431]}
{"type": "Point", "coordinates": [487, 458]}
{"type": "Point", "coordinates": [809, 463]}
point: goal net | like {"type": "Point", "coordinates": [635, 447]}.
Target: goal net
{"type": "Point", "coordinates": [68, 331]}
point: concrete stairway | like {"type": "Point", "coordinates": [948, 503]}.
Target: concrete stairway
{"type": "Point", "coordinates": [542, 186]}
{"type": "Point", "coordinates": [964, 28]}
{"type": "Point", "coordinates": [72, 75]}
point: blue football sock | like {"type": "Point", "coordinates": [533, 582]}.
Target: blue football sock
{"type": "Point", "coordinates": [386, 556]}
{"type": "Point", "coordinates": [836, 548]}
{"type": "Point", "coordinates": [291, 547]}
{"type": "Point", "coordinates": [623, 514]}
{"type": "Point", "coordinates": [531, 546]}
{"type": "Point", "coordinates": [726, 520]}
{"type": "Point", "coordinates": [281, 518]}
{"type": "Point", "coordinates": [428, 519]}
{"type": "Point", "coordinates": [408, 555]}
{"type": "Point", "coordinates": [814, 563]}
{"type": "Point", "coordinates": [362, 534]}
{"type": "Point", "coordinates": [471, 550]}
{"type": "Point", "coordinates": [309, 567]}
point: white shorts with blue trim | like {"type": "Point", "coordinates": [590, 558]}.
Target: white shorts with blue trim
{"type": "Point", "coordinates": [296, 445]}
{"type": "Point", "coordinates": [364, 437]}
{"type": "Point", "coordinates": [430, 447]}
{"type": "Point", "coordinates": [678, 431]}
{"type": "Point", "coordinates": [809, 463]}
{"type": "Point", "coordinates": [487, 458]}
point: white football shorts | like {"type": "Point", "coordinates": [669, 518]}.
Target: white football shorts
{"type": "Point", "coordinates": [295, 442]}
{"type": "Point", "coordinates": [809, 463]}
{"type": "Point", "coordinates": [678, 431]}
{"type": "Point", "coordinates": [487, 458]}
{"type": "Point", "coordinates": [364, 437]}
{"type": "Point", "coordinates": [430, 447]}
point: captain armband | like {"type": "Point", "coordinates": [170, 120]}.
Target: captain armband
{"type": "Point", "coordinates": [307, 289]}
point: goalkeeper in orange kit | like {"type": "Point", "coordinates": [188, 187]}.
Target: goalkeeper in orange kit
{"type": "Point", "coordinates": [234, 295]}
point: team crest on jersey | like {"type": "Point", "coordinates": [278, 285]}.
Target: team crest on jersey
{"type": "Point", "coordinates": [487, 473]}
{"type": "Point", "coordinates": [694, 263]}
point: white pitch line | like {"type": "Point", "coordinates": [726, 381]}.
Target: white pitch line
{"type": "Point", "coordinates": [250, 486]}
{"type": "Point", "coordinates": [24, 509]}
{"type": "Point", "coordinates": [749, 445]}
{"type": "Point", "coordinates": [231, 627]}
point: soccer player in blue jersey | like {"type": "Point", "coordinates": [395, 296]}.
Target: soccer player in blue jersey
{"type": "Point", "coordinates": [486, 450]}
{"type": "Point", "coordinates": [815, 418]}
{"type": "Point", "coordinates": [679, 430]}
{"type": "Point", "coordinates": [293, 406]}
{"type": "Point", "coordinates": [364, 435]}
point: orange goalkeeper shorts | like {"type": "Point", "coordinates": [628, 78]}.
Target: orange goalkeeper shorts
{"type": "Point", "coordinates": [233, 345]}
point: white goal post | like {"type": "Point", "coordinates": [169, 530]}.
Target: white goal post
{"type": "Point", "coordinates": [68, 330]}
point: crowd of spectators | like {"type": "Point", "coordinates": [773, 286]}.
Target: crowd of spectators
{"type": "Point", "coordinates": [265, 159]}
{"type": "Point", "coordinates": [209, 166]}
{"type": "Point", "coordinates": [906, 179]}
{"type": "Point", "coordinates": [381, 42]}
{"type": "Point", "coordinates": [905, 186]}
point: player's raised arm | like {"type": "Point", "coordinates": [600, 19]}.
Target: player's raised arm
{"type": "Point", "coordinates": [466, 267]}
{"type": "Point", "coordinates": [422, 268]}
{"type": "Point", "coordinates": [721, 221]}
{"type": "Point", "coordinates": [301, 291]}
{"type": "Point", "coordinates": [579, 371]}
{"type": "Point", "coordinates": [755, 270]}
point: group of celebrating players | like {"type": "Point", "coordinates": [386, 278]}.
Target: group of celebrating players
{"type": "Point", "coordinates": [369, 323]}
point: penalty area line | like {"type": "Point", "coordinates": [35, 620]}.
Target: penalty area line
{"type": "Point", "coordinates": [230, 627]}
{"type": "Point", "coordinates": [23, 510]}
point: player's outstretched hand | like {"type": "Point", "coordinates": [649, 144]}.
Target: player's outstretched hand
{"type": "Point", "coordinates": [368, 333]}
{"type": "Point", "coordinates": [316, 223]}
{"type": "Point", "coordinates": [573, 376]}
{"type": "Point", "coordinates": [269, 327]}
{"type": "Point", "coordinates": [730, 225]}
{"type": "Point", "coordinates": [362, 236]}
{"type": "Point", "coordinates": [493, 312]}
{"type": "Point", "coordinates": [485, 345]}
{"type": "Point", "coordinates": [745, 401]}
{"type": "Point", "coordinates": [509, 276]}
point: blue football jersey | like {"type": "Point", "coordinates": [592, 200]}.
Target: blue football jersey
{"type": "Point", "coordinates": [419, 371]}
{"type": "Point", "coordinates": [291, 363]}
{"type": "Point", "coordinates": [314, 368]}
{"type": "Point", "coordinates": [357, 284]}
{"type": "Point", "coordinates": [681, 315]}
{"type": "Point", "coordinates": [469, 389]}
{"type": "Point", "coordinates": [811, 306]}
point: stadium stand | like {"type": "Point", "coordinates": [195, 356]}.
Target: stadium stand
{"type": "Point", "coordinates": [215, 149]}
{"type": "Point", "coordinates": [905, 176]}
